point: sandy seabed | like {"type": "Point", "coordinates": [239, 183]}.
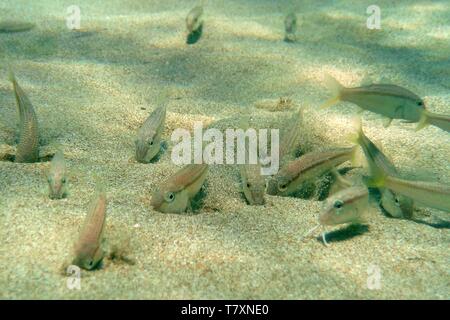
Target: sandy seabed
{"type": "Point", "coordinates": [92, 90]}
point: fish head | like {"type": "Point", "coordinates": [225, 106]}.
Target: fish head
{"type": "Point", "coordinates": [57, 182]}
{"type": "Point", "coordinates": [167, 200]}
{"type": "Point", "coordinates": [89, 256]}
{"type": "Point", "coordinates": [397, 205]}
{"type": "Point", "coordinates": [346, 206]}
{"type": "Point", "coordinates": [147, 148]}
{"type": "Point", "coordinates": [254, 192]}
{"type": "Point", "coordinates": [279, 184]}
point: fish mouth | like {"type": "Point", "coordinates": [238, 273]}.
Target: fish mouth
{"type": "Point", "coordinates": [146, 155]}
{"type": "Point", "coordinates": [157, 200]}
{"type": "Point", "coordinates": [259, 200]}
{"type": "Point", "coordinates": [141, 154]}
{"type": "Point", "coordinates": [324, 219]}
{"type": "Point", "coordinates": [57, 194]}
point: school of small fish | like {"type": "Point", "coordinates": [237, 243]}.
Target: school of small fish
{"type": "Point", "coordinates": [347, 201]}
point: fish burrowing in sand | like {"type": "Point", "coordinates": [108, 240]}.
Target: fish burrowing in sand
{"type": "Point", "coordinates": [290, 27]}
{"type": "Point", "coordinates": [307, 167]}
{"type": "Point", "coordinates": [175, 194]}
{"type": "Point", "coordinates": [56, 177]}
{"type": "Point", "coordinates": [253, 183]}
{"type": "Point", "coordinates": [89, 251]}
{"type": "Point", "coordinates": [148, 141]}
{"type": "Point", "coordinates": [194, 24]}
{"type": "Point", "coordinates": [28, 147]}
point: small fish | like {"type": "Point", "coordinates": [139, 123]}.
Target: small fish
{"type": "Point", "coordinates": [15, 26]}
{"type": "Point", "coordinates": [89, 251]}
{"type": "Point", "coordinates": [148, 141]}
{"type": "Point", "coordinates": [346, 206]}
{"type": "Point", "coordinates": [397, 205]}
{"type": "Point", "coordinates": [391, 101]}
{"type": "Point", "coordinates": [28, 147]}
{"type": "Point", "coordinates": [290, 27]}
{"type": "Point", "coordinates": [253, 183]}
{"type": "Point", "coordinates": [194, 19]}
{"type": "Point", "coordinates": [290, 137]}
{"type": "Point", "coordinates": [309, 166]}
{"type": "Point", "coordinates": [175, 194]}
{"type": "Point", "coordinates": [56, 177]}
{"type": "Point", "coordinates": [431, 194]}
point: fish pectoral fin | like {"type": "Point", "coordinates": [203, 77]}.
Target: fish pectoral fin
{"type": "Point", "coordinates": [387, 122]}
{"type": "Point", "coordinates": [423, 122]}
{"type": "Point", "coordinates": [329, 103]}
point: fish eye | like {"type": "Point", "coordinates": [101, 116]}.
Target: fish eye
{"type": "Point", "coordinates": [150, 142]}
{"type": "Point", "coordinates": [397, 202]}
{"type": "Point", "coordinates": [90, 263]}
{"type": "Point", "coordinates": [248, 185]}
{"type": "Point", "coordinates": [338, 204]}
{"type": "Point", "coordinates": [420, 103]}
{"type": "Point", "coordinates": [282, 187]}
{"type": "Point", "coordinates": [169, 196]}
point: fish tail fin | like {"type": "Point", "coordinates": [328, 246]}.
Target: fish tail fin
{"type": "Point", "coordinates": [376, 180]}
{"type": "Point", "coordinates": [336, 88]}
{"type": "Point", "coordinates": [424, 120]}
{"type": "Point", "coordinates": [99, 184]}
{"type": "Point", "coordinates": [357, 158]}
{"type": "Point", "coordinates": [11, 75]}
{"type": "Point", "coordinates": [357, 135]}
